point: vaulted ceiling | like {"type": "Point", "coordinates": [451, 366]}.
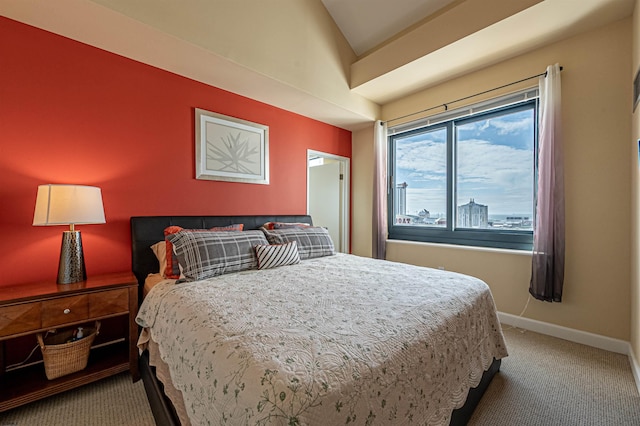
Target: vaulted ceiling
{"type": "Point", "coordinates": [497, 31]}
{"type": "Point", "coordinates": [333, 60]}
{"type": "Point", "coordinates": [369, 23]}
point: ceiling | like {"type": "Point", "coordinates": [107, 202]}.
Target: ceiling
{"type": "Point", "coordinates": [543, 22]}
{"type": "Point", "coordinates": [368, 23]}
{"type": "Point", "coordinates": [399, 47]}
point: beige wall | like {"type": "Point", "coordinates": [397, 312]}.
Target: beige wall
{"type": "Point", "coordinates": [362, 195]}
{"type": "Point", "coordinates": [635, 199]}
{"type": "Point", "coordinates": [596, 98]}
{"type": "Point", "coordinates": [254, 34]}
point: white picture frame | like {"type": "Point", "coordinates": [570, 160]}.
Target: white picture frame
{"type": "Point", "coordinates": [231, 149]}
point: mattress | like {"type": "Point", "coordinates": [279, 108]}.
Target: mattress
{"type": "Point", "coordinates": [331, 340]}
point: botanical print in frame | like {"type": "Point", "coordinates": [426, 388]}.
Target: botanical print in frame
{"type": "Point", "coordinates": [231, 149]}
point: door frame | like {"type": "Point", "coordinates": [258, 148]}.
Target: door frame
{"type": "Point", "coordinates": [345, 194]}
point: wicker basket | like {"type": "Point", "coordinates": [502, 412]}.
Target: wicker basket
{"type": "Point", "coordinates": [61, 358]}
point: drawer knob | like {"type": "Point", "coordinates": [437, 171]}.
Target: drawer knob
{"type": "Point", "coordinates": [66, 311]}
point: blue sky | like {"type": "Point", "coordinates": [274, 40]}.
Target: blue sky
{"type": "Point", "coordinates": [495, 165]}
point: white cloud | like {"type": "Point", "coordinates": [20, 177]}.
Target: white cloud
{"type": "Point", "coordinates": [499, 176]}
{"type": "Point", "coordinates": [433, 200]}
{"type": "Point", "coordinates": [495, 164]}
{"type": "Point", "coordinates": [496, 175]}
{"type": "Point", "coordinates": [425, 156]}
{"type": "Point", "coordinates": [501, 126]}
{"type": "Point", "coordinates": [508, 127]}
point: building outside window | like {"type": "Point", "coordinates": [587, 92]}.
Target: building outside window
{"type": "Point", "coordinates": [472, 215]}
{"type": "Point", "coordinates": [400, 200]}
{"type": "Point", "coordinates": [467, 176]}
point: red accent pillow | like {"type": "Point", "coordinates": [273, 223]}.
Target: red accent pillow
{"type": "Point", "coordinates": [284, 225]}
{"type": "Point", "coordinates": [173, 269]}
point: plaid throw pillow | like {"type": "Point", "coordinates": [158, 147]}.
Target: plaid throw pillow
{"type": "Point", "coordinates": [313, 241]}
{"type": "Point", "coordinates": [207, 254]}
{"type": "Point", "coordinates": [272, 256]}
{"type": "Point", "coordinates": [172, 269]}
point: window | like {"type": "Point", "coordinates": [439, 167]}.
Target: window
{"type": "Point", "coordinates": [467, 176]}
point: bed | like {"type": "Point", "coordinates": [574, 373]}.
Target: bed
{"type": "Point", "coordinates": [335, 339]}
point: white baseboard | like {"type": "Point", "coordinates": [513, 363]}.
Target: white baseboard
{"type": "Point", "coordinates": [577, 336]}
{"type": "Point", "coordinates": [573, 335]}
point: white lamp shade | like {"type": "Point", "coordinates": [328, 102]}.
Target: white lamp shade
{"type": "Point", "coordinates": [68, 204]}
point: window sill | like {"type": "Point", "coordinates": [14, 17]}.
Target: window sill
{"type": "Point", "coordinates": [464, 248]}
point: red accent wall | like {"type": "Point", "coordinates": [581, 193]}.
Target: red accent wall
{"type": "Point", "coordinates": [72, 113]}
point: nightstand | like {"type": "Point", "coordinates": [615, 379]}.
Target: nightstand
{"type": "Point", "coordinates": [28, 309]}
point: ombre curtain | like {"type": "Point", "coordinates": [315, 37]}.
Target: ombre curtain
{"type": "Point", "coordinates": [379, 190]}
{"type": "Point", "coordinates": [547, 275]}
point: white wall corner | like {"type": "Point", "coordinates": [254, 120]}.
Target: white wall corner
{"type": "Point", "coordinates": [635, 367]}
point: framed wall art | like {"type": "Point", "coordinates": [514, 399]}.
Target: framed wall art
{"type": "Point", "coordinates": [231, 149]}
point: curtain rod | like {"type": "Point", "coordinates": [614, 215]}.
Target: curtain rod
{"type": "Point", "coordinates": [446, 105]}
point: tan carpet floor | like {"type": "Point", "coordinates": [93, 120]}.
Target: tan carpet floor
{"type": "Point", "coordinates": [113, 401]}
{"type": "Point", "coordinates": [544, 381]}
{"type": "Point", "coordinates": [548, 381]}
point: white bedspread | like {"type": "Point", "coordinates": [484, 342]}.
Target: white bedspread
{"type": "Point", "coordinates": [333, 340]}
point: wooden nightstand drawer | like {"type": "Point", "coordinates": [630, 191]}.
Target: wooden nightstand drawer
{"type": "Point", "coordinates": [64, 310]}
{"type": "Point", "coordinates": [19, 318]}
{"type": "Point", "coordinates": [27, 309]}
{"type": "Point", "coordinates": [108, 302]}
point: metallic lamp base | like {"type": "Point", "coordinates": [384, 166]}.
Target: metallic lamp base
{"type": "Point", "coordinates": [71, 267]}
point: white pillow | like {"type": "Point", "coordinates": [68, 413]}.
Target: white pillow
{"type": "Point", "coordinates": [160, 250]}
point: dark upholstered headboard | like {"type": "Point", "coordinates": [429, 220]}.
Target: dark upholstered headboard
{"type": "Point", "coordinates": [148, 230]}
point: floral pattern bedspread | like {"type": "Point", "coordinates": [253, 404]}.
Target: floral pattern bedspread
{"type": "Point", "coordinates": [330, 341]}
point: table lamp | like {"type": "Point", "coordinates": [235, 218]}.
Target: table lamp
{"type": "Point", "coordinates": [69, 205]}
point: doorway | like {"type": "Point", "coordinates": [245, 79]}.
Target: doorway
{"type": "Point", "coordinates": [328, 184]}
